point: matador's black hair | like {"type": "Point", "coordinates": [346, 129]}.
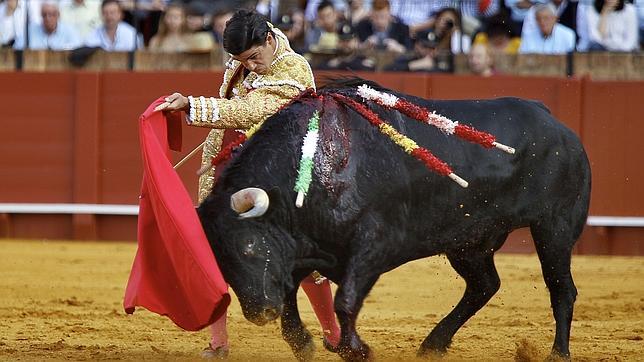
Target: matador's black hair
{"type": "Point", "coordinates": [247, 28]}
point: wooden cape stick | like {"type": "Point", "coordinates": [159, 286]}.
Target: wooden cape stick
{"type": "Point", "coordinates": [189, 156]}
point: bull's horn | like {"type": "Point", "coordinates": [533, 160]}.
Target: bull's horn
{"type": "Point", "coordinates": [249, 202]}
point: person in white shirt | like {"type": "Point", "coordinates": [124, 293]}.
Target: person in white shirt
{"type": "Point", "coordinates": [115, 34]}
{"type": "Point", "coordinates": [51, 33]}
{"type": "Point", "coordinates": [552, 37]}
{"type": "Point", "coordinates": [82, 15]}
{"type": "Point", "coordinates": [12, 21]}
{"type": "Point", "coordinates": [612, 26]}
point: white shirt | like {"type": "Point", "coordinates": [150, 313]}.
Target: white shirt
{"type": "Point", "coordinates": [560, 41]}
{"type": "Point", "coordinates": [621, 29]}
{"type": "Point", "coordinates": [123, 42]}
{"type": "Point", "coordinates": [11, 26]}
{"type": "Point", "coordinates": [63, 38]}
{"type": "Point", "coordinates": [84, 18]}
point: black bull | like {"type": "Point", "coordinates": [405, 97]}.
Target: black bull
{"type": "Point", "coordinates": [372, 208]}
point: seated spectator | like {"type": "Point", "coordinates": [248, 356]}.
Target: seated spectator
{"type": "Point", "coordinates": [612, 26]}
{"type": "Point", "coordinates": [447, 28]}
{"type": "Point", "coordinates": [424, 58]}
{"type": "Point", "coordinates": [202, 38]}
{"type": "Point", "coordinates": [323, 36]}
{"type": "Point", "coordinates": [114, 34]}
{"type": "Point", "coordinates": [498, 36]}
{"type": "Point", "coordinates": [566, 12]}
{"type": "Point", "coordinates": [415, 14]}
{"type": "Point", "coordinates": [348, 57]}
{"type": "Point", "coordinates": [473, 12]}
{"type": "Point", "coordinates": [12, 22]}
{"type": "Point", "coordinates": [519, 10]}
{"type": "Point", "coordinates": [311, 10]}
{"type": "Point", "coordinates": [480, 60]}
{"type": "Point", "coordinates": [293, 25]}
{"type": "Point", "coordinates": [383, 31]}
{"type": "Point", "coordinates": [173, 35]}
{"type": "Point", "coordinates": [356, 12]}
{"type": "Point", "coordinates": [51, 33]}
{"type": "Point", "coordinates": [219, 19]}
{"type": "Point", "coordinates": [551, 37]}
{"type": "Point", "coordinates": [82, 15]}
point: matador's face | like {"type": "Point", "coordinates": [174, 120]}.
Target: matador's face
{"type": "Point", "coordinates": [258, 58]}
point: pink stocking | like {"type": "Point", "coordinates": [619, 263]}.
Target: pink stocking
{"type": "Point", "coordinates": [218, 333]}
{"type": "Point", "coordinates": [322, 303]}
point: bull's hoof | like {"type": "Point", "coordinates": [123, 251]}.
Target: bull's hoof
{"type": "Point", "coordinates": [556, 356]}
{"type": "Point", "coordinates": [431, 354]}
{"type": "Point", "coordinates": [361, 353]}
{"type": "Point", "coordinates": [306, 352]}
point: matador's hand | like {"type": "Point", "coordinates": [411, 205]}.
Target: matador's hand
{"type": "Point", "coordinates": [174, 102]}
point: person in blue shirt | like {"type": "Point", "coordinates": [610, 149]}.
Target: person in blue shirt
{"type": "Point", "coordinates": [115, 34]}
{"type": "Point", "coordinates": [551, 37]}
{"type": "Point", "coordinates": [51, 34]}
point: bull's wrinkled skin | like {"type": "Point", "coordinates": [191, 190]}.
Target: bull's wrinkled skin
{"type": "Point", "coordinates": [372, 208]}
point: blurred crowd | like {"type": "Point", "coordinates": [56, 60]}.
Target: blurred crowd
{"type": "Point", "coordinates": [414, 35]}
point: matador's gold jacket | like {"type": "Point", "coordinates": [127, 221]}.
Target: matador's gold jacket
{"type": "Point", "coordinates": [244, 102]}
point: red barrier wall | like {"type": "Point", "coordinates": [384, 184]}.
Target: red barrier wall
{"type": "Point", "coordinates": [72, 137]}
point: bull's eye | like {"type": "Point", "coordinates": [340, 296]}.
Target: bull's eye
{"type": "Point", "coordinates": [249, 249]}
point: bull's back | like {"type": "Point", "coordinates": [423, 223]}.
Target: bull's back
{"type": "Point", "coordinates": [548, 170]}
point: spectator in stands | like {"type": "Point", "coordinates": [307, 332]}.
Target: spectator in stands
{"type": "Point", "coordinates": [323, 36]}
{"type": "Point", "coordinates": [498, 36]}
{"type": "Point", "coordinates": [356, 12]}
{"type": "Point", "coordinates": [311, 10]}
{"type": "Point", "coordinates": [518, 11]}
{"type": "Point", "coordinates": [474, 13]}
{"type": "Point", "coordinates": [200, 28]}
{"type": "Point", "coordinates": [348, 57]}
{"type": "Point", "coordinates": [219, 19]}
{"type": "Point", "coordinates": [82, 15]}
{"type": "Point", "coordinates": [424, 58]}
{"type": "Point", "coordinates": [51, 34]}
{"type": "Point", "coordinates": [173, 35]}
{"type": "Point", "coordinates": [383, 31]}
{"type": "Point", "coordinates": [552, 37]}
{"type": "Point", "coordinates": [447, 28]}
{"type": "Point", "coordinates": [114, 34]}
{"type": "Point", "coordinates": [480, 60]}
{"type": "Point", "coordinates": [612, 26]}
{"type": "Point", "coordinates": [566, 12]}
{"type": "Point", "coordinates": [293, 25]}
{"type": "Point", "coordinates": [414, 13]}
{"type": "Point", "coordinates": [12, 22]}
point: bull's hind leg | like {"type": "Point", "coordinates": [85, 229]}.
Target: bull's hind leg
{"type": "Point", "coordinates": [293, 330]}
{"type": "Point", "coordinates": [482, 282]}
{"type": "Point", "coordinates": [554, 241]}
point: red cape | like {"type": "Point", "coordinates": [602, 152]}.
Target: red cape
{"type": "Point", "coordinates": [174, 272]}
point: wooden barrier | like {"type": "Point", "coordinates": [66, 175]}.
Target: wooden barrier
{"type": "Point", "coordinates": [155, 61]}
{"type": "Point", "coordinates": [71, 138]}
{"type": "Point", "coordinates": [7, 60]}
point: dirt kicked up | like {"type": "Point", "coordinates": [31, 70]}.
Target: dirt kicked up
{"type": "Point", "coordinates": [62, 300]}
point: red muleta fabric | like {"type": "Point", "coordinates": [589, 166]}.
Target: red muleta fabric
{"type": "Point", "coordinates": [174, 272]}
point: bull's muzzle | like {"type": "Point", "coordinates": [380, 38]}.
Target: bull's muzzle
{"type": "Point", "coordinates": [249, 202]}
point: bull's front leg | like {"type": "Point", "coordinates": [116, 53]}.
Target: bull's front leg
{"type": "Point", "coordinates": [356, 284]}
{"type": "Point", "coordinates": [293, 330]}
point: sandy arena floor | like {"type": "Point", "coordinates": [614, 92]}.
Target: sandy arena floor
{"type": "Point", "coordinates": [62, 300]}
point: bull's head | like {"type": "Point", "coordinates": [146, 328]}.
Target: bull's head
{"type": "Point", "coordinates": [254, 254]}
